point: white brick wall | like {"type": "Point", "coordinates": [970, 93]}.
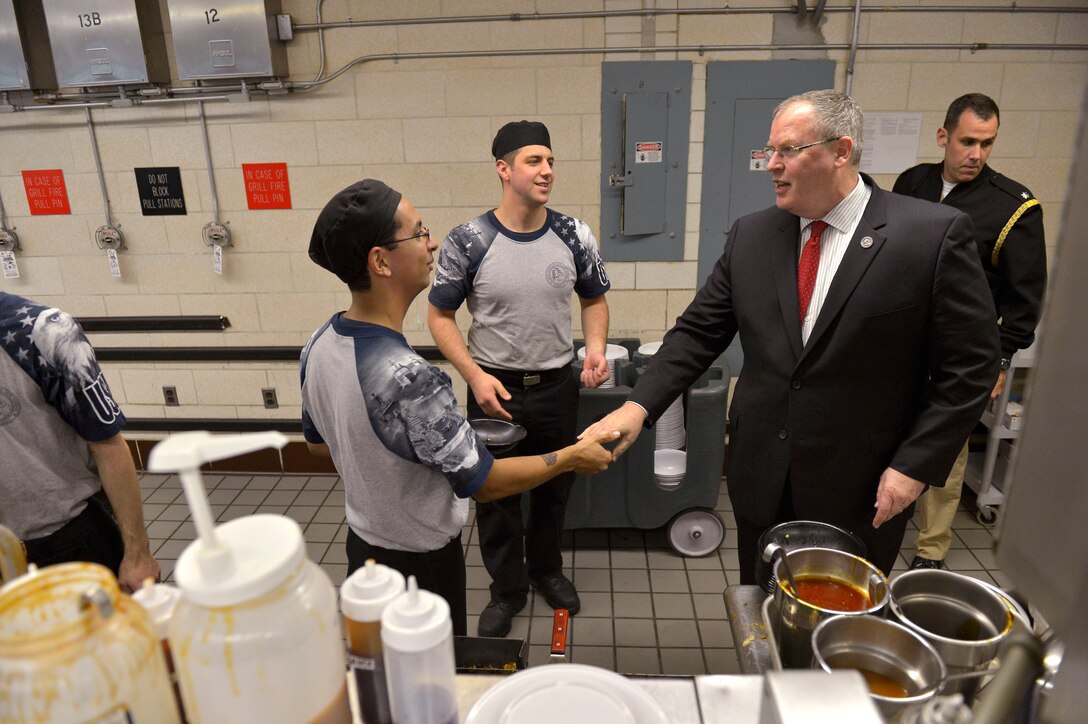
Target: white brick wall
{"type": "Point", "coordinates": [425, 126]}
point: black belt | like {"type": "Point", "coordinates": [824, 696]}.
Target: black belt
{"type": "Point", "coordinates": [524, 378]}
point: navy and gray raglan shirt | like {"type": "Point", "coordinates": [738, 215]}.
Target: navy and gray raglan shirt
{"type": "Point", "coordinates": [53, 400]}
{"type": "Point", "coordinates": [409, 460]}
{"type": "Point", "coordinates": [518, 288]}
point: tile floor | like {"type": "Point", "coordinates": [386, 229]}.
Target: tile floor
{"type": "Point", "coordinates": [644, 608]}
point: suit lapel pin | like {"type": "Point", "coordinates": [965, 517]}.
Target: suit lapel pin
{"type": "Point", "coordinates": [866, 242]}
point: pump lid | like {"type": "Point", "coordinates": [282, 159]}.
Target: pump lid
{"type": "Point", "coordinates": [367, 591]}
{"type": "Point", "coordinates": [263, 550]}
{"type": "Point", "coordinates": [416, 620]}
{"type": "Point", "coordinates": [159, 599]}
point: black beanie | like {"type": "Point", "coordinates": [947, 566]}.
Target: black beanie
{"type": "Point", "coordinates": [516, 134]}
{"type": "Point", "coordinates": [353, 222]}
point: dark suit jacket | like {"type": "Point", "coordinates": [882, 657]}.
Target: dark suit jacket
{"type": "Point", "coordinates": [896, 372]}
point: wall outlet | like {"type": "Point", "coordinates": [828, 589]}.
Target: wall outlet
{"type": "Point", "coordinates": [269, 395]}
{"type": "Point", "coordinates": [170, 395]}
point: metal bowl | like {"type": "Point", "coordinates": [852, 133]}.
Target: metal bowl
{"type": "Point", "coordinates": [498, 435]}
{"type": "Point", "coordinates": [803, 534]}
{"type": "Point", "coordinates": [884, 648]}
{"type": "Point", "coordinates": [964, 620]}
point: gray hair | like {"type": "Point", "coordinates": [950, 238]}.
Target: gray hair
{"type": "Point", "coordinates": [834, 115]}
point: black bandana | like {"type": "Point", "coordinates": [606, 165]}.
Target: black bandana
{"type": "Point", "coordinates": [516, 134]}
{"type": "Point", "coordinates": [351, 224]}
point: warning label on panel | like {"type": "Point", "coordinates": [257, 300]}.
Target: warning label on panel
{"type": "Point", "coordinates": [757, 161]}
{"type": "Point", "coordinates": [648, 151]}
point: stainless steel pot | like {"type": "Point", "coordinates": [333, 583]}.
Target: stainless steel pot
{"type": "Point", "coordinates": [962, 618]}
{"type": "Point", "coordinates": [796, 619]}
{"type": "Point", "coordinates": [796, 534]}
{"type": "Point", "coordinates": [884, 648]}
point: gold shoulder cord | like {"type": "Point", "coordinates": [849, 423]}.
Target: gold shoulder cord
{"type": "Point", "coordinates": [1008, 227]}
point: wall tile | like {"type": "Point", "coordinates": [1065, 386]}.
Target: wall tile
{"type": "Point", "coordinates": [294, 143]}
{"type": "Point", "coordinates": [297, 311]}
{"type": "Point", "coordinates": [425, 126]}
{"type": "Point", "coordinates": [497, 92]}
{"type": "Point", "coordinates": [725, 29]}
{"type": "Point", "coordinates": [934, 85]}
{"type": "Point", "coordinates": [1043, 86]}
{"type": "Point", "coordinates": [359, 142]}
{"type": "Point", "coordinates": [665, 275]}
{"type": "Point", "coordinates": [401, 95]}
{"type": "Point", "coordinates": [446, 139]}
{"type": "Point", "coordinates": [228, 387]}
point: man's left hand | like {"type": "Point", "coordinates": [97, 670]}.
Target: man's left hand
{"type": "Point", "coordinates": [895, 492]}
{"type": "Point", "coordinates": [1000, 384]}
{"type": "Point", "coordinates": [595, 370]}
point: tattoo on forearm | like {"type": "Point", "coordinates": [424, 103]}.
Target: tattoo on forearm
{"type": "Point", "coordinates": [549, 458]}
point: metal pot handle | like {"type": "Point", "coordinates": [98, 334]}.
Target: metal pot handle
{"type": "Point", "coordinates": [96, 597]}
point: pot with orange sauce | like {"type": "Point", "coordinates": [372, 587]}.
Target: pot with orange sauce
{"type": "Point", "coordinates": [831, 583]}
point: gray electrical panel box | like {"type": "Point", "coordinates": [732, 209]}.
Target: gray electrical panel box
{"type": "Point", "coordinates": [106, 42]}
{"type": "Point", "coordinates": [645, 114]}
{"type": "Point", "coordinates": [25, 62]}
{"type": "Point", "coordinates": [233, 39]}
{"type": "Point", "coordinates": [741, 96]}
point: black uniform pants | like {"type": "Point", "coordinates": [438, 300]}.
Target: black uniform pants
{"type": "Point", "coordinates": [92, 537]}
{"type": "Point", "coordinates": [441, 572]}
{"type": "Point", "coordinates": [514, 551]}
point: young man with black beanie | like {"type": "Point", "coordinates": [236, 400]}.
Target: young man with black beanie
{"type": "Point", "coordinates": [516, 267]}
{"type": "Point", "coordinates": [409, 460]}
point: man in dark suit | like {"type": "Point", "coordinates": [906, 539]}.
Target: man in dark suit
{"type": "Point", "coordinates": [868, 334]}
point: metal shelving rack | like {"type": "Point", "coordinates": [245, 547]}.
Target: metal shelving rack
{"type": "Point", "coordinates": [988, 472]}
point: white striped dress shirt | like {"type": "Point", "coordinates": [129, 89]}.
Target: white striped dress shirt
{"type": "Point", "coordinates": [841, 223]}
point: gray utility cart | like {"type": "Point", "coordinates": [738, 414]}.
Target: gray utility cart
{"type": "Point", "coordinates": [627, 495]}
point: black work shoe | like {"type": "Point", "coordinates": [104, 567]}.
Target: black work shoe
{"type": "Point", "coordinates": [920, 563]}
{"type": "Point", "coordinates": [496, 618]}
{"type": "Point", "coordinates": [559, 592]}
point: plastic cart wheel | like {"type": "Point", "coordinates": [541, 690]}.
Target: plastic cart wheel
{"type": "Point", "coordinates": [986, 515]}
{"type": "Point", "coordinates": [696, 532]}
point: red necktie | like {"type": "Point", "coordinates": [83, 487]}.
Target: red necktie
{"type": "Point", "coordinates": [808, 265]}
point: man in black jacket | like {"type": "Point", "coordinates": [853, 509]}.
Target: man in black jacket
{"type": "Point", "coordinates": [1009, 234]}
{"type": "Point", "coordinates": [866, 364]}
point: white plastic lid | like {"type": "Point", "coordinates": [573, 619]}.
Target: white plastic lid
{"type": "Point", "coordinates": [367, 591]}
{"type": "Point", "coordinates": [569, 693]}
{"type": "Point", "coordinates": [263, 550]}
{"type": "Point", "coordinates": [159, 599]}
{"type": "Point", "coordinates": [416, 620]}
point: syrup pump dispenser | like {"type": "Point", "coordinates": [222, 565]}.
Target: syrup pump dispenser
{"type": "Point", "coordinates": [257, 618]}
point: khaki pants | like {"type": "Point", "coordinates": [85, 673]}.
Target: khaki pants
{"type": "Point", "coordinates": [936, 509]}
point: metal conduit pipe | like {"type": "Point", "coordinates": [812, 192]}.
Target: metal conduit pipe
{"type": "Point", "coordinates": [98, 167]}
{"type": "Point", "coordinates": [700, 49]}
{"type": "Point", "coordinates": [208, 161]}
{"type": "Point", "coordinates": [853, 47]}
{"type": "Point", "coordinates": [272, 87]}
{"type": "Point", "coordinates": [653, 12]}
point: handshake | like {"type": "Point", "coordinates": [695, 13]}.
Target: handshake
{"type": "Point", "coordinates": [622, 426]}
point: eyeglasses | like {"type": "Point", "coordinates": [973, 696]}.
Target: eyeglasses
{"type": "Point", "coordinates": [793, 151]}
{"type": "Point", "coordinates": [424, 234]}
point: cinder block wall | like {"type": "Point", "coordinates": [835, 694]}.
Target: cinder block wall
{"type": "Point", "coordinates": [425, 126]}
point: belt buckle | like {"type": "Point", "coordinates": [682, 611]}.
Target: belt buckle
{"type": "Point", "coordinates": [530, 380]}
